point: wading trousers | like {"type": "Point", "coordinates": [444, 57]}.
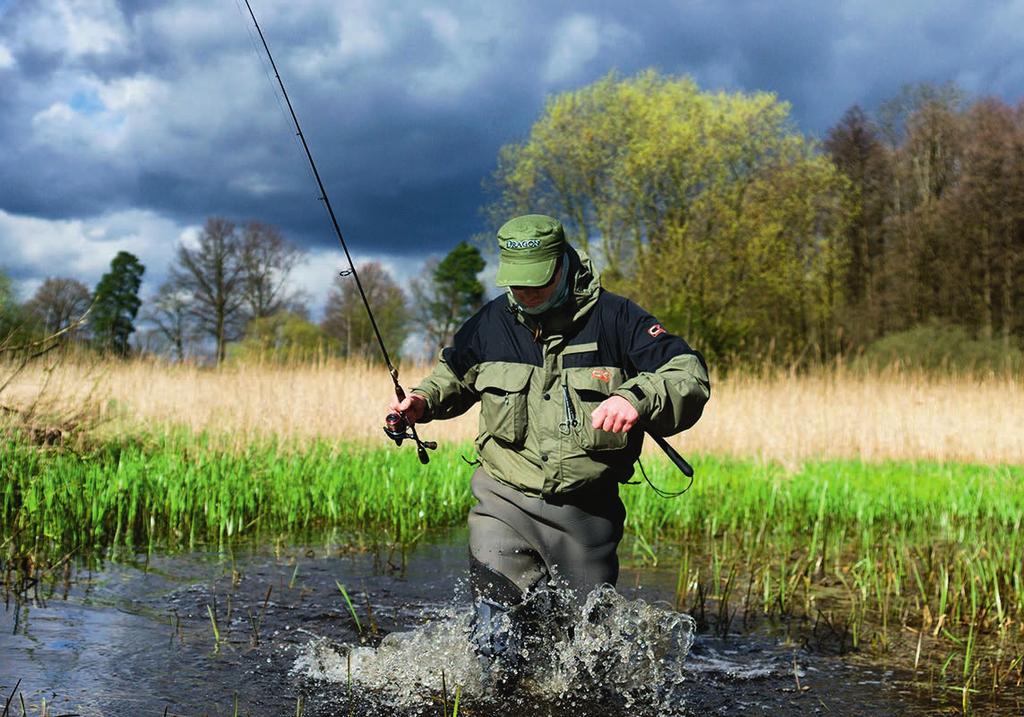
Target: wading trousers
{"type": "Point", "coordinates": [519, 541]}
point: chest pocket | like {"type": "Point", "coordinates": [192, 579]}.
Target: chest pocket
{"type": "Point", "coordinates": [588, 388]}
{"type": "Point", "coordinates": [503, 407]}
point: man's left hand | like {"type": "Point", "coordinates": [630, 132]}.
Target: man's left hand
{"type": "Point", "coordinates": [614, 415]}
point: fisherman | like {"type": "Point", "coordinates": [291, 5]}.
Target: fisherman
{"type": "Point", "coordinates": [568, 376]}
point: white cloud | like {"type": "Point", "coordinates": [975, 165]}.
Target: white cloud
{"type": "Point", "coordinates": [55, 116]}
{"type": "Point", "coordinates": [471, 47]}
{"type": "Point", "coordinates": [132, 94]}
{"type": "Point", "coordinates": [76, 28]}
{"type": "Point", "coordinates": [578, 40]}
{"type": "Point", "coordinates": [115, 119]}
{"type": "Point", "coordinates": [36, 248]}
{"type": "Point", "coordinates": [192, 27]}
{"type": "Point", "coordinates": [443, 24]}
{"type": "Point", "coordinates": [576, 43]}
{"type": "Point", "coordinates": [363, 32]}
{"type": "Point", "coordinates": [92, 26]}
{"type": "Point", "coordinates": [6, 58]}
{"type": "Point", "coordinates": [190, 237]}
{"type": "Point", "coordinates": [257, 184]}
{"type": "Point", "coordinates": [26, 289]}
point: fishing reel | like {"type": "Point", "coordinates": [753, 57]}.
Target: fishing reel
{"type": "Point", "coordinates": [398, 430]}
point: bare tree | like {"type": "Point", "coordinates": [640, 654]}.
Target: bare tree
{"type": "Point", "coordinates": [58, 303]}
{"type": "Point", "coordinates": [267, 259]}
{"type": "Point", "coordinates": [8, 305]}
{"type": "Point", "coordinates": [345, 316]}
{"type": "Point", "coordinates": [857, 149]}
{"type": "Point", "coordinates": [169, 312]}
{"type": "Point", "coordinates": [213, 276]}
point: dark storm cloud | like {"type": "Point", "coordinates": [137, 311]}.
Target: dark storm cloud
{"type": "Point", "coordinates": [388, 145]}
{"type": "Point", "coordinates": [165, 107]}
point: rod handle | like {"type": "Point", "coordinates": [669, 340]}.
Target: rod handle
{"type": "Point", "coordinates": [673, 455]}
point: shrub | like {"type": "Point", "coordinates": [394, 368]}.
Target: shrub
{"type": "Point", "coordinates": [934, 346]}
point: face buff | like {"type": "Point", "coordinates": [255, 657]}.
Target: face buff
{"type": "Point", "coordinates": [557, 298]}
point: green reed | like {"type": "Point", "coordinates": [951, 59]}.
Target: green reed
{"type": "Point", "coordinates": [921, 560]}
{"type": "Point", "coordinates": [924, 559]}
{"type": "Point", "coordinates": [178, 492]}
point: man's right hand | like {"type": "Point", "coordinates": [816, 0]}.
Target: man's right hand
{"type": "Point", "coordinates": [413, 407]}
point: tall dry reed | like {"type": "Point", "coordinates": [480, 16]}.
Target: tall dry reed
{"type": "Point", "coordinates": [789, 418]}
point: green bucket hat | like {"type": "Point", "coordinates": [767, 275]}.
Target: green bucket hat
{"type": "Point", "coordinates": [530, 247]}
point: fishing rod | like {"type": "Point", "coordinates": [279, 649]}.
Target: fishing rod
{"type": "Point", "coordinates": [396, 424]}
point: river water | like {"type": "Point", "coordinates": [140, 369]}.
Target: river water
{"type": "Point", "coordinates": [136, 637]}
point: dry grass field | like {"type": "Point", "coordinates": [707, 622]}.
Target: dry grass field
{"type": "Point", "coordinates": [829, 414]}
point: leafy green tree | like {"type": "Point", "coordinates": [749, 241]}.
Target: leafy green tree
{"type": "Point", "coordinates": [345, 319]}
{"type": "Point", "coordinates": [117, 303]}
{"type": "Point", "coordinates": [448, 293]}
{"type": "Point", "coordinates": [708, 208]}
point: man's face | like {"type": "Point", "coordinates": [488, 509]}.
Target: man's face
{"type": "Point", "coordinates": [533, 296]}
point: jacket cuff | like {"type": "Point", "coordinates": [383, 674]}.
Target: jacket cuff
{"type": "Point", "coordinates": [639, 397]}
{"type": "Point", "coordinates": [428, 414]}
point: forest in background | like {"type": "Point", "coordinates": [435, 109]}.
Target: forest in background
{"type": "Point", "coordinates": [898, 238]}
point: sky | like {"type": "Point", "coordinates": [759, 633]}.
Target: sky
{"type": "Point", "coordinates": [123, 125]}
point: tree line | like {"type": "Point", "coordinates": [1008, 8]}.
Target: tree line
{"type": "Point", "coordinates": [229, 293]}
{"type": "Point", "coordinates": [754, 240]}
{"type": "Point", "coordinates": [902, 228]}
{"type": "Point", "coordinates": [935, 218]}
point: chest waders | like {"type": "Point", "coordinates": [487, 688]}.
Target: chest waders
{"type": "Point", "coordinates": [519, 543]}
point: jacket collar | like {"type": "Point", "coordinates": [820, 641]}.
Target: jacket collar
{"type": "Point", "coordinates": [562, 320]}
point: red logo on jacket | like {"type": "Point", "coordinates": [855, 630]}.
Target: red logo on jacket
{"type": "Point", "coordinates": [601, 375]}
{"type": "Point", "coordinates": [656, 330]}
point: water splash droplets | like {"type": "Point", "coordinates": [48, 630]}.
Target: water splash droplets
{"type": "Point", "coordinates": [608, 650]}
{"type": "Point", "coordinates": [406, 667]}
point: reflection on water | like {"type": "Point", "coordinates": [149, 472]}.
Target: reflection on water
{"type": "Point", "coordinates": [137, 638]}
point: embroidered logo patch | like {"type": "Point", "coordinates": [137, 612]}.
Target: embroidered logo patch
{"type": "Point", "coordinates": [656, 330]}
{"type": "Point", "coordinates": [601, 375]}
{"type": "Point", "coordinates": [522, 244]}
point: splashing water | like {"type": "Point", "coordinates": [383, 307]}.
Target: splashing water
{"type": "Point", "coordinates": [618, 653]}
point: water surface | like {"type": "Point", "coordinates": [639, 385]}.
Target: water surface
{"type": "Point", "coordinates": [135, 637]}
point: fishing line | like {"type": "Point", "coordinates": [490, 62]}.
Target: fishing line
{"type": "Point", "coordinates": [285, 120]}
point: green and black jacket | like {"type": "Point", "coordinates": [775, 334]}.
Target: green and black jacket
{"type": "Point", "coordinates": [538, 382]}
